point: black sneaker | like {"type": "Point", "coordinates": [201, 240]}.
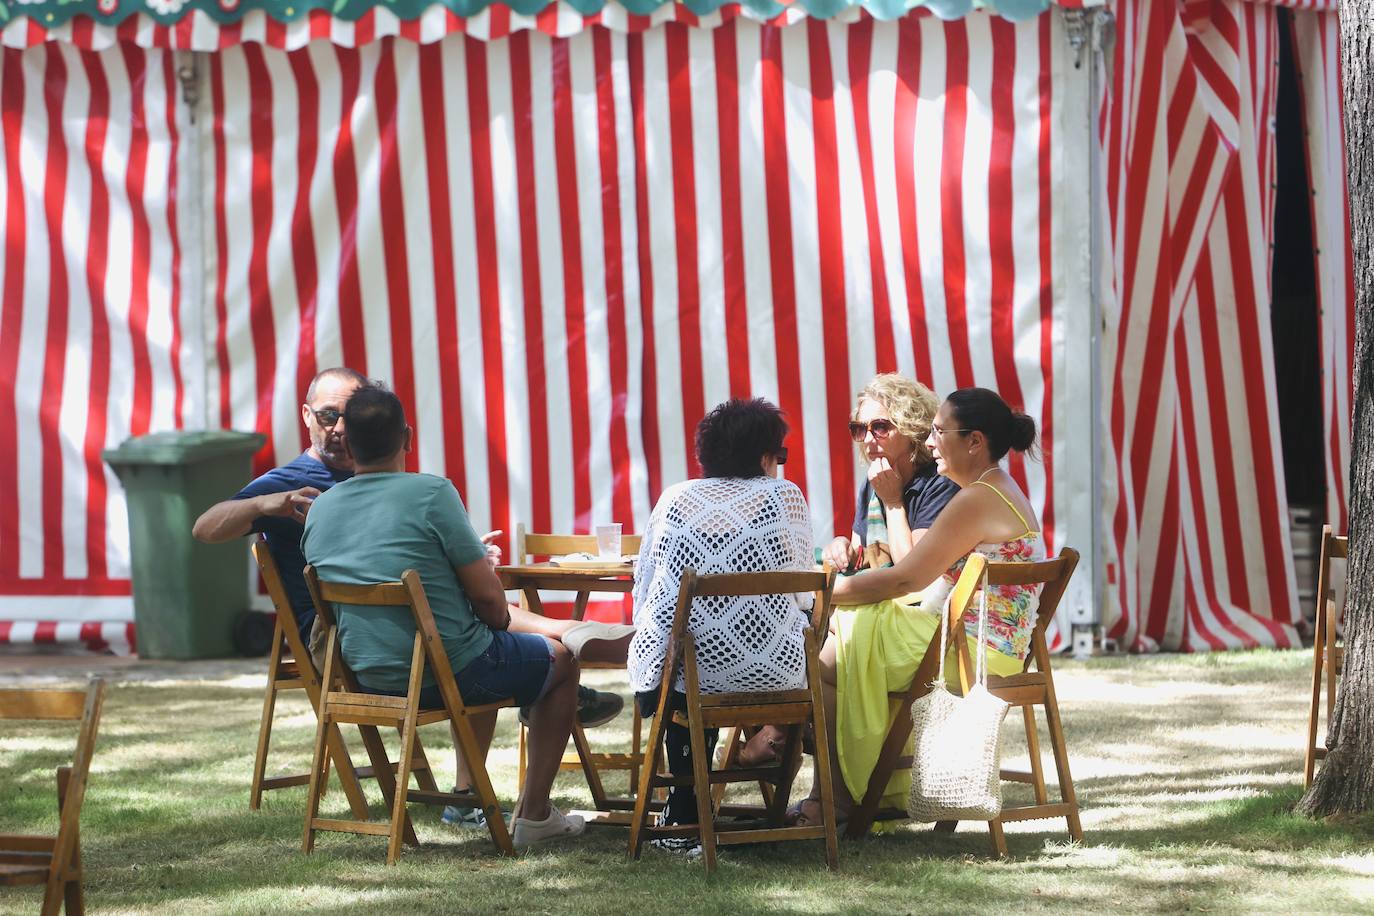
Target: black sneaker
{"type": "Point", "coordinates": [594, 707]}
{"type": "Point", "coordinates": [688, 847]}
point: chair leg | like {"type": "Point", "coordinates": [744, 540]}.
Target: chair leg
{"type": "Point", "coordinates": [819, 729]}
{"type": "Point", "coordinates": [701, 777]}
{"type": "Point", "coordinates": [637, 748]}
{"type": "Point", "coordinates": [639, 819]}
{"type": "Point", "coordinates": [999, 839]}
{"type": "Point", "coordinates": [776, 801]}
{"type": "Point", "coordinates": [269, 702]}
{"type": "Point", "coordinates": [1310, 757]}
{"type": "Point", "coordinates": [348, 776]}
{"type": "Point", "coordinates": [862, 815]}
{"type": "Point", "coordinates": [67, 882]}
{"type": "Point", "coordinates": [382, 771]}
{"type": "Point", "coordinates": [312, 797]}
{"type": "Point", "coordinates": [398, 804]}
{"type": "Point", "coordinates": [1033, 746]}
{"type": "Point", "coordinates": [481, 784]}
{"type": "Point", "coordinates": [522, 762]}
{"type": "Point", "coordinates": [946, 826]}
{"type": "Point", "coordinates": [729, 753]}
{"type": "Point", "coordinates": [1061, 761]}
{"type": "Point", "coordinates": [424, 775]}
{"type": "Point", "coordinates": [584, 756]}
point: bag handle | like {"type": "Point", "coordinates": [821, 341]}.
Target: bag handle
{"type": "Point", "coordinates": [980, 671]}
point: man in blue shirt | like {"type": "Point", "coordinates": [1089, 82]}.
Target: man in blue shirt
{"type": "Point", "coordinates": [275, 504]}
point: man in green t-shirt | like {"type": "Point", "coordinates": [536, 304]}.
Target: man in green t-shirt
{"type": "Point", "coordinates": [384, 521]}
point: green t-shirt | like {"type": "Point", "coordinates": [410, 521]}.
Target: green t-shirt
{"type": "Point", "coordinates": [373, 528]}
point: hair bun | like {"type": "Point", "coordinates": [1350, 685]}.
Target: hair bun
{"type": "Point", "coordinates": [1022, 431]}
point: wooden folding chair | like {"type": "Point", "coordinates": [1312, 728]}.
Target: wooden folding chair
{"type": "Point", "coordinates": [1328, 657]}
{"type": "Point", "coordinates": [55, 861]}
{"type": "Point", "coordinates": [528, 548]}
{"type": "Point", "coordinates": [342, 702]}
{"type": "Point", "coordinates": [291, 667]}
{"type": "Point", "coordinates": [1027, 690]}
{"type": "Point", "coordinates": [795, 709]}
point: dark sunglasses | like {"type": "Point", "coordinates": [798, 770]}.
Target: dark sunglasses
{"type": "Point", "coordinates": [880, 429]}
{"type": "Point", "coordinates": [325, 416]}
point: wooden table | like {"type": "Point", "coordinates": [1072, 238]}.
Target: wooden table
{"type": "Point", "coordinates": [530, 580]}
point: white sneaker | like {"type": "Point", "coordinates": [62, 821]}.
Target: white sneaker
{"type": "Point", "coordinates": [557, 826]}
{"type": "Point", "coordinates": [577, 637]}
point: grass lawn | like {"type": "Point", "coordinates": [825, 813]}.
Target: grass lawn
{"type": "Point", "coordinates": [1186, 767]}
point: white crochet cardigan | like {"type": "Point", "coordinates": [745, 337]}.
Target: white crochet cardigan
{"type": "Point", "coordinates": [716, 525]}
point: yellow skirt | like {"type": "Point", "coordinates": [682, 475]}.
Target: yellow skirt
{"type": "Point", "coordinates": [878, 647]}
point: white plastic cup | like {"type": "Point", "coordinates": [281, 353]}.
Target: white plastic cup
{"type": "Point", "coordinates": [608, 541]}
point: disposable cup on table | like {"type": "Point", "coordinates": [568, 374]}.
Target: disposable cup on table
{"type": "Point", "coordinates": [608, 541]}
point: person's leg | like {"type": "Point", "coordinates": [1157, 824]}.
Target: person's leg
{"type": "Point", "coordinates": [677, 746]}
{"type": "Point", "coordinates": [593, 642]}
{"type": "Point", "coordinates": [550, 725]}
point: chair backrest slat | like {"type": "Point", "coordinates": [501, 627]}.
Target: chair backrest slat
{"type": "Point", "coordinates": [408, 593]}
{"type": "Point", "coordinates": [42, 704]}
{"type": "Point", "coordinates": [529, 545]}
{"type": "Point", "coordinates": [736, 585]}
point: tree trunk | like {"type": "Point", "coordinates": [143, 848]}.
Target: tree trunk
{"type": "Point", "coordinates": [1345, 783]}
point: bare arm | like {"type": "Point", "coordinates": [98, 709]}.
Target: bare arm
{"type": "Point", "coordinates": [844, 553]}
{"type": "Point", "coordinates": [958, 530]}
{"type": "Point", "coordinates": [234, 518]}
{"type": "Point", "coordinates": [485, 594]}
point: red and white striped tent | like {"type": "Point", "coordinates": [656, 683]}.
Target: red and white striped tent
{"type": "Point", "coordinates": [561, 237]}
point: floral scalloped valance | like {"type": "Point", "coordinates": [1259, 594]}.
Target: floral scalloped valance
{"type": "Point", "coordinates": [49, 13]}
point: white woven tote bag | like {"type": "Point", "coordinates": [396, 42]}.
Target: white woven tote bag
{"type": "Point", "coordinates": [957, 758]}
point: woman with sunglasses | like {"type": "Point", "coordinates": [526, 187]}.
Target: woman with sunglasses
{"type": "Point", "coordinates": [886, 618]}
{"type": "Point", "coordinates": [902, 494]}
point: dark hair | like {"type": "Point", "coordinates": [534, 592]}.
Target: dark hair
{"type": "Point", "coordinates": [985, 411]}
{"type": "Point", "coordinates": [375, 423]}
{"type": "Point", "coordinates": [734, 437]}
{"type": "Point", "coordinates": [342, 373]}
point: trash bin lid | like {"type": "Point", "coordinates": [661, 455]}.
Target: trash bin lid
{"type": "Point", "coordinates": [184, 446]}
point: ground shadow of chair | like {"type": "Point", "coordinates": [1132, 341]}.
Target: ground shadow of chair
{"type": "Point", "coordinates": [290, 666]}
{"type": "Point", "coordinates": [1033, 687]}
{"type": "Point", "coordinates": [793, 709]}
{"type": "Point", "coordinates": [1328, 657]}
{"type": "Point", "coordinates": [55, 862]}
{"type": "Point", "coordinates": [342, 702]}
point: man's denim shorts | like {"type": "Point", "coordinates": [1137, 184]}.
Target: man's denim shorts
{"type": "Point", "coordinates": [515, 665]}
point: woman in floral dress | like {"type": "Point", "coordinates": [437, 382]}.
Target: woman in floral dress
{"type": "Point", "coordinates": [887, 617]}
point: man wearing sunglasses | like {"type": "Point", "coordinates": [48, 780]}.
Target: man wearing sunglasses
{"type": "Point", "coordinates": [275, 504]}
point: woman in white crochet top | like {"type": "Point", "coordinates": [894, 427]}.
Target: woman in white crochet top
{"type": "Point", "coordinates": [739, 517]}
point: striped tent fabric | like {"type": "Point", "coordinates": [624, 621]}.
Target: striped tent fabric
{"type": "Point", "coordinates": [560, 249]}
{"type": "Point", "coordinates": [1316, 40]}
{"type": "Point", "coordinates": [91, 334]}
{"type": "Point", "coordinates": [1198, 526]}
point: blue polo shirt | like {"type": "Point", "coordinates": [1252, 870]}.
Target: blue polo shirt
{"type": "Point", "coordinates": [283, 535]}
{"type": "Point", "coordinates": [924, 497]}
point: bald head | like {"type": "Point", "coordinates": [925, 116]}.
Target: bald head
{"type": "Point", "coordinates": [335, 374]}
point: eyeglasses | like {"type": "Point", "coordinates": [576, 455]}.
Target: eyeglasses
{"type": "Point", "coordinates": [880, 428]}
{"type": "Point", "coordinates": [325, 416]}
{"type": "Point", "coordinates": [780, 456]}
{"type": "Point", "coordinates": [941, 432]}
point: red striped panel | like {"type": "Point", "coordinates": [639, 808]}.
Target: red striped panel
{"type": "Point", "coordinates": [1202, 559]}
{"type": "Point", "coordinates": [1316, 41]}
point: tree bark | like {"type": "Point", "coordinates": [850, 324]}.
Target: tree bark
{"type": "Point", "coordinates": [1345, 783]}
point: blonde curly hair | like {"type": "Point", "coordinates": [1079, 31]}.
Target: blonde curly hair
{"type": "Point", "coordinates": [909, 404]}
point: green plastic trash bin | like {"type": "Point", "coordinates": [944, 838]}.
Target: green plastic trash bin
{"type": "Point", "coordinates": [188, 596]}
